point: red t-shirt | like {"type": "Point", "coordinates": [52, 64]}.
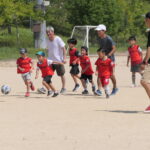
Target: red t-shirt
{"type": "Point", "coordinates": [24, 63]}
{"type": "Point", "coordinates": [84, 61]}
{"type": "Point", "coordinates": [45, 68]}
{"type": "Point", "coordinates": [104, 67]}
{"type": "Point", "coordinates": [73, 57]}
{"type": "Point", "coordinates": [135, 55]}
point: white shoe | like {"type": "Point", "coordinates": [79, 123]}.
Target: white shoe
{"type": "Point", "coordinates": [133, 85]}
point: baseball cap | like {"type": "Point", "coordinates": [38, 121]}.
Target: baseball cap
{"type": "Point", "coordinates": [23, 50]}
{"type": "Point", "coordinates": [72, 41]}
{"type": "Point", "coordinates": [40, 53]}
{"type": "Point", "coordinates": [101, 27]}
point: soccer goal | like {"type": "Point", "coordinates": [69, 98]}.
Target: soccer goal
{"type": "Point", "coordinates": [86, 36]}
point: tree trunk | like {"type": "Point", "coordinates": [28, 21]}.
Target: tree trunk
{"type": "Point", "coordinates": [9, 29]}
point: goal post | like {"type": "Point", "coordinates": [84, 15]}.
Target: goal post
{"type": "Point", "coordinates": [86, 36]}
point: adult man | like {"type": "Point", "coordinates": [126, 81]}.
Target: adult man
{"type": "Point", "coordinates": [106, 43]}
{"type": "Point", "coordinates": [57, 52]}
{"type": "Point", "coordinates": [146, 76]}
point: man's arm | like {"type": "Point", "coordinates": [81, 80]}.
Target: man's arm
{"type": "Point", "coordinates": [147, 57]}
{"type": "Point", "coordinates": [64, 55]}
{"type": "Point", "coordinates": [112, 51]}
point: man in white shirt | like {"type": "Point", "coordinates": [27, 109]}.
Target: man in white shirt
{"type": "Point", "coordinates": [56, 52]}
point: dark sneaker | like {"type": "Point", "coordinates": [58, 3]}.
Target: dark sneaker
{"type": "Point", "coordinates": [76, 87]}
{"type": "Point", "coordinates": [55, 94]}
{"type": "Point", "coordinates": [147, 110]}
{"type": "Point", "coordinates": [85, 92]}
{"type": "Point", "coordinates": [98, 92]}
{"type": "Point", "coordinates": [63, 90]}
{"type": "Point", "coordinates": [49, 93]}
{"type": "Point", "coordinates": [114, 91]}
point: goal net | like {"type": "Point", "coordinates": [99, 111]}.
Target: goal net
{"type": "Point", "coordinates": [86, 36]}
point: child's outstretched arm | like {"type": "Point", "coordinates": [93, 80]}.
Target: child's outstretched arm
{"type": "Point", "coordinates": [128, 59]}
{"type": "Point", "coordinates": [88, 65]}
{"type": "Point", "coordinates": [37, 73]}
{"type": "Point", "coordinates": [21, 69]}
{"type": "Point", "coordinates": [32, 65]}
{"type": "Point", "coordinates": [96, 71]}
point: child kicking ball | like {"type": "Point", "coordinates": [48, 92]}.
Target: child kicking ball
{"type": "Point", "coordinates": [25, 67]}
{"type": "Point", "coordinates": [47, 72]}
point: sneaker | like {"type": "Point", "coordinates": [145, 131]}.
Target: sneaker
{"type": "Point", "coordinates": [76, 87]}
{"type": "Point", "coordinates": [147, 110]}
{"type": "Point", "coordinates": [133, 86]}
{"type": "Point", "coordinates": [85, 92]}
{"type": "Point", "coordinates": [114, 91]}
{"type": "Point", "coordinates": [63, 90]}
{"type": "Point", "coordinates": [41, 91]}
{"type": "Point", "coordinates": [27, 94]}
{"type": "Point", "coordinates": [49, 93]}
{"type": "Point", "coordinates": [98, 92]}
{"type": "Point", "coordinates": [55, 94]}
{"type": "Point", "coordinates": [32, 87]}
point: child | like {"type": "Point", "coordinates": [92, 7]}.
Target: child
{"type": "Point", "coordinates": [47, 72]}
{"type": "Point", "coordinates": [87, 71]}
{"type": "Point", "coordinates": [25, 67]}
{"type": "Point", "coordinates": [104, 68]}
{"type": "Point", "coordinates": [73, 53]}
{"type": "Point", "coordinates": [135, 54]}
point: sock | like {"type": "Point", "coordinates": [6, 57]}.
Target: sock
{"type": "Point", "coordinates": [133, 79]}
{"type": "Point", "coordinates": [106, 88]}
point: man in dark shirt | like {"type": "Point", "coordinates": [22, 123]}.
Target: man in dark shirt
{"type": "Point", "coordinates": [146, 75]}
{"type": "Point", "coordinates": [106, 43]}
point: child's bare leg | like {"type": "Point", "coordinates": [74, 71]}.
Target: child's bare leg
{"type": "Point", "coordinates": [93, 86]}
{"type": "Point", "coordinates": [74, 78]}
{"type": "Point", "coordinates": [99, 84]}
{"type": "Point", "coordinates": [77, 76]}
{"type": "Point", "coordinates": [107, 91]}
{"type": "Point", "coordinates": [52, 87]}
{"type": "Point", "coordinates": [27, 83]}
{"type": "Point", "coordinates": [83, 84]}
{"type": "Point", "coordinates": [46, 85]}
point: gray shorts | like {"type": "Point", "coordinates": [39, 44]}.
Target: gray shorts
{"type": "Point", "coordinates": [60, 69]}
{"type": "Point", "coordinates": [26, 76]}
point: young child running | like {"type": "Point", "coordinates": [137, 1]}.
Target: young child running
{"type": "Point", "coordinates": [104, 69]}
{"type": "Point", "coordinates": [74, 54]}
{"type": "Point", "coordinates": [87, 71]}
{"type": "Point", "coordinates": [25, 67]}
{"type": "Point", "coordinates": [47, 72]}
{"type": "Point", "coordinates": [135, 54]}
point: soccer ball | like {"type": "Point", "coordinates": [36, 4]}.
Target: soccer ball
{"type": "Point", "coordinates": [5, 89]}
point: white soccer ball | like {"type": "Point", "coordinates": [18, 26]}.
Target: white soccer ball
{"type": "Point", "coordinates": [5, 89]}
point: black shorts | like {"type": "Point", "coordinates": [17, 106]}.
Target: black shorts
{"type": "Point", "coordinates": [74, 69]}
{"type": "Point", "coordinates": [86, 77]}
{"type": "Point", "coordinates": [60, 69]}
{"type": "Point", "coordinates": [47, 79]}
{"type": "Point", "coordinates": [135, 68]}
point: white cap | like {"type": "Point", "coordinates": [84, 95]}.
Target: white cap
{"type": "Point", "coordinates": [100, 27]}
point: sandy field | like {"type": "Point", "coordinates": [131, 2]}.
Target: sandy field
{"type": "Point", "coordinates": [73, 121]}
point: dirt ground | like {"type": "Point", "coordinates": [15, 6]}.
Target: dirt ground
{"type": "Point", "coordinates": [73, 121]}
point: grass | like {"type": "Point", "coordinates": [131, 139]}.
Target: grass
{"type": "Point", "coordinates": [9, 46]}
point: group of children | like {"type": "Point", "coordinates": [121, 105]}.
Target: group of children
{"type": "Point", "coordinates": [104, 68]}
